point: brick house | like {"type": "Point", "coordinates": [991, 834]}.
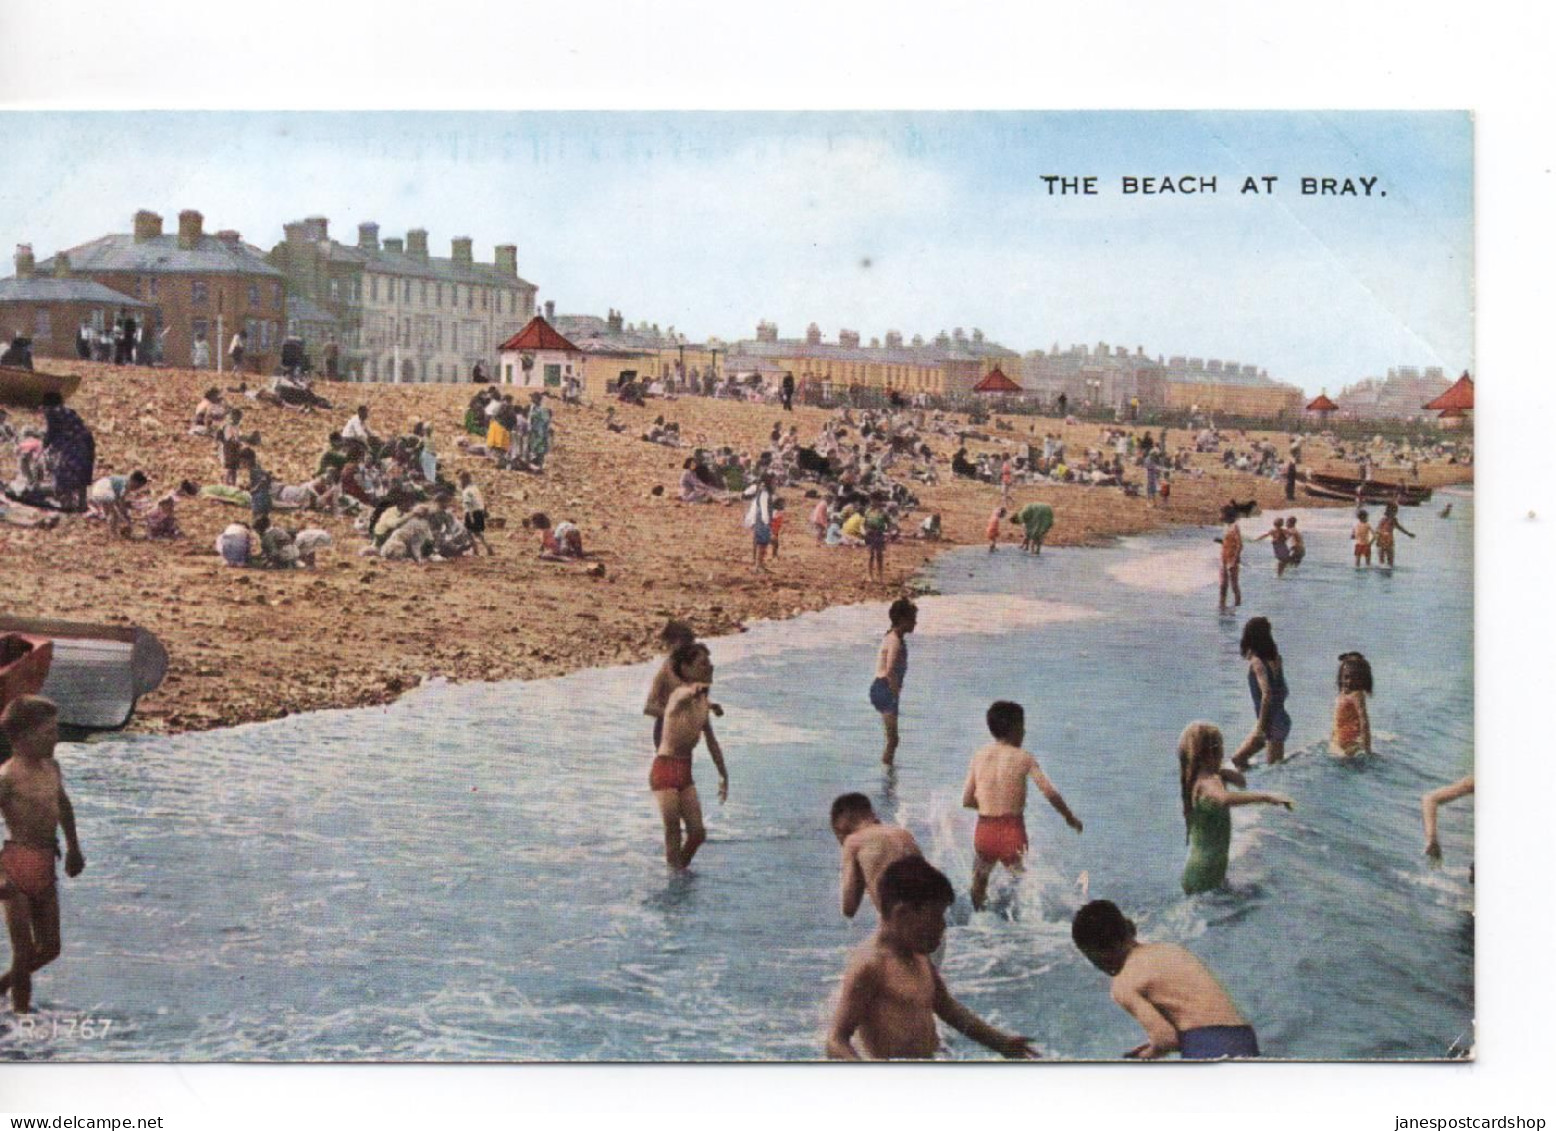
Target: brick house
{"type": "Point", "coordinates": [192, 284]}
{"type": "Point", "coordinates": [50, 309]}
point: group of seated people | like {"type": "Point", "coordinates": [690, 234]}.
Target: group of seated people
{"type": "Point", "coordinates": [263, 544]}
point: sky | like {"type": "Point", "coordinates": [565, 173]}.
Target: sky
{"type": "Point", "coordinates": [916, 222]}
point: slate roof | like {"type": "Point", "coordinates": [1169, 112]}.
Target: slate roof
{"type": "Point", "coordinates": [163, 255]}
{"type": "Point", "coordinates": [305, 310]}
{"type": "Point", "coordinates": [434, 268]}
{"type": "Point", "coordinates": [51, 289]}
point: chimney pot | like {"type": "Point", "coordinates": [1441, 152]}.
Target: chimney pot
{"type": "Point", "coordinates": [148, 225]}
{"type": "Point", "coordinates": [25, 263]}
{"type": "Point", "coordinates": [318, 228]}
{"type": "Point", "coordinates": [189, 228]}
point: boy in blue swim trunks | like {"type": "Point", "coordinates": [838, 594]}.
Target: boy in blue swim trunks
{"type": "Point", "coordinates": [891, 667]}
{"type": "Point", "coordinates": [1177, 1000]}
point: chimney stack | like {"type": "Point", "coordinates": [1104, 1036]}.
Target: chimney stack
{"type": "Point", "coordinates": [317, 228]}
{"type": "Point", "coordinates": [367, 236]}
{"type": "Point", "coordinates": [395, 244]}
{"type": "Point", "coordinates": [25, 264]}
{"type": "Point", "coordinates": [463, 254]}
{"type": "Point", "coordinates": [189, 230]}
{"type": "Point", "coordinates": [508, 260]}
{"type": "Point", "coordinates": [813, 335]}
{"type": "Point", "coordinates": [848, 339]}
{"type": "Point", "coordinates": [893, 340]}
{"type": "Point", "coordinates": [416, 243]}
{"type": "Point", "coordinates": [148, 226]}
{"type": "Point", "coordinates": [61, 266]}
{"type": "Point", "coordinates": [550, 311]}
{"type": "Point", "coordinates": [229, 237]}
{"type": "Point", "coordinates": [613, 321]}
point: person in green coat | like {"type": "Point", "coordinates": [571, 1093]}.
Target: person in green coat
{"type": "Point", "coordinates": [1036, 519]}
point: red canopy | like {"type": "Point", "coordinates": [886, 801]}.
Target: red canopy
{"type": "Point", "coordinates": [1461, 396]}
{"type": "Point", "coordinates": [539, 335]}
{"type": "Point", "coordinates": [1322, 403]}
{"type": "Point", "coordinates": [996, 382]}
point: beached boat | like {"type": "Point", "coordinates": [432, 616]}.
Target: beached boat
{"type": "Point", "coordinates": [1374, 490]}
{"type": "Point", "coordinates": [26, 388]}
{"type": "Point", "coordinates": [97, 672]}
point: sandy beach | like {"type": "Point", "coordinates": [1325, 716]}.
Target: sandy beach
{"type": "Point", "coordinates": [248, 645]}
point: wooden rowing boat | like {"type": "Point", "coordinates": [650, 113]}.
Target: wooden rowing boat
{"type": "Point", "coordinates": [1373, 490]}
{"type": "Point", "coordinates": [26, 388]}
{"type": "Point", "coordinates": [97, 672]}
{"type": "Point", "coordinates": [1371, 498]}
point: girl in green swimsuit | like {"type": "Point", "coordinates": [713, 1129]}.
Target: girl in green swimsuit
{"type": "Point", "coordinates": [1207, 803]}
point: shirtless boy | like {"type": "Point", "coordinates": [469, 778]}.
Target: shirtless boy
{"type": "Point", "coordinates": [997, 788]}
{"type": "Point", "coordinates": [685, 723]}
{"type": "Point", "coordinates": [869, 848]}
{"type": "Point", "coordinates": [891, 992]}
{"type": "Point", "coordinates": [1177, 1000]}
{"type": "Point", "coordinates": [891, 668]}
{"type": "Point", "coordinates": [1231, 556]}
{"type": "Point", "coordinates": [34, 803]}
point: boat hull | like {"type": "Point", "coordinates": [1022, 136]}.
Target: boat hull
{"type": "Point", "coordinates": [26, 388]}
{"type": "Point", "coordinates": [97, 673]}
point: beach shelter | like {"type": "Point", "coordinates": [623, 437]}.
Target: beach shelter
{"type": "Point", "coordinates": [996, 382]}
{"type": "Point", "coordinates": [1322, 405]}
{"type": "Point", "coordinates": [1460, 397]}
{"type": "Point", "coordinates": [538, 357]}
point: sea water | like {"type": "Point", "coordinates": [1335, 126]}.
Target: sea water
{"type": "Point", "coordinates": [476, 871]}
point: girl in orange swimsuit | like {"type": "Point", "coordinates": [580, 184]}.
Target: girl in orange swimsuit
{"type": "Point", "coordinates": [1352, 731]}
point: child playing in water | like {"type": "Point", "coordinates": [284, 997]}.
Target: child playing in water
{"type": "Point", "coordinates": [34, 803]}
{"type": "Point", "coordinates": [1429, 803]}
{"type": "Point", "coordinates": [993, 532]}
{"type": "Point", "coordinates": [1297, 546]}
{"type": "Point", "coordinates": [685, 723]}
{"type": "Point", "coordinates": [869, 848]}
{"type": "Point", "coordinates": [891, 668]}
{"type": "Point", "coordinates": [1279, 542]}
{"type": "Point", "coordinates": [672, 636]}
{"type": "Point", "coordinates": [891, 993]}
{"type": "Point", "coordinates": [1267, 685]}
{"type": "Point", "coordinates": [1231, 557]}
{"type": "Point", "coordinates": [997, 788]}
{"type": "Point", "coordinates": [1362, 536]}
{"type": "Point", "coordinates": [1176, 999]}
{"type": "Point", "coordinates": [1352, 731]}
{"type": "Point", "coordinates": [1385, 534]}
{"type": "Point", "coordinates": [1207, 805]}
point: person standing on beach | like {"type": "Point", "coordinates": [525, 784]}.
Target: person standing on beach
{"type": "Point", "coordinates": [686, 722]}
{"type": "Point", "coordinates": [1231, 557]}
{"type": "Point", "coordinates": [993, 532]}
{"type": "Point", "coordinates": [997, 788]}
{"type": "Point", "coordinates": [759, 518]}
{"type": "Point", "coordinates": [474, 506]}
{"type": "Point", "coordinates": [1291, 479]}
{"type": "Point", "coordinates": [891, 668]}
{"type": "Point", "coordinates": [1267, 685]}
{"type": "Point", "coordinates": [1036, 520]}
{"type": "Point", "coordinates": [788, 392]}
{"type": "Point", "coordinates": [34, 804]}
{"type": "Point", "coordinates": [875, 539]}
{"type": "Point", "coordinates": [1207, 804]}
{"type": "Point", "coordinates": [74, 448]}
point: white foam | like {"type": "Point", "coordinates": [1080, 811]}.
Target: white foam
{"type": "Point", "coordinates": [1177, 571]}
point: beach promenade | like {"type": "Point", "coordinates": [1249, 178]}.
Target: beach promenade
{"type": "Point", "coordinates": [247, 644]}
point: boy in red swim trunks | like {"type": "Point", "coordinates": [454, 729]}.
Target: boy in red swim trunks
{"type": "Point", "coordinates": [34, 803]}
{"type": "Point", "coordinates": [997, 788]}
{"type": "Point", "coordinates": [685, 723]}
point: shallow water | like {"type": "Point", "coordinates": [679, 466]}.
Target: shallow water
{"type": "Point", "coordinates": [475, 872]}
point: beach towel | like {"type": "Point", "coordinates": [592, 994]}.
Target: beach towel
{"type": "Point", "coordinates": [233, 496]}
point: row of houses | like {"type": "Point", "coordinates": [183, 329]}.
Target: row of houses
{"type": "Point", "coordinates": [394, 311]}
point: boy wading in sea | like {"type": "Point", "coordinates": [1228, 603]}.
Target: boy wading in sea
{"type": "Point", "coordinates": [997, 788]}
{"type": "Point", "coordinates": [1177, 1000]}
{"type": "Point", "coordinates": [891, 992]}
{"type": "Point", "coordinates": [670, 778]}
{"type": "Point", "coordinates": [34, 803]}
{"type": "Point", "coordinates": [869, 848]}
{"type": "Point", "coordinates": [891, 667]}
{"type": "Point", "coordinates": [1231, 557]}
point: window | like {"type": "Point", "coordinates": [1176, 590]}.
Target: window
{"type": "Point", "coordinates": [424, 293]}
{"type": "Point", "coordinates": [453, 336]}
{"type": "Point", "coordinates": [275, 293]}
{"type": "Point", "coordinates": [470, 299]}
{"type": "Point", "coordinates": [440, 294]}
{"type": "Point", "coordinates": [553, 375]}
{"type": "Point", "coordinates": [407, 290]}
{"type": "Point", "coordinates": [373, 285]}
{"type": "Point", "coordinates": [483, 299]}
{"type": "Point", "coordinates": [253, 294]}
{"type": "Point", "coordinates": [335, 289]}
{"type": "Point", "coordinates": [45, 328]}
{"type": "Point", "coordinates": [440, 371]}
{"type": "Point", "coordinates": [507, 374]}
{"type": "Point", "coordinates": [356, 288]}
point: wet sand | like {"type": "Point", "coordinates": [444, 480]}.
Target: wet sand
{"type": "Point", "coordinates": [247, 645]}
